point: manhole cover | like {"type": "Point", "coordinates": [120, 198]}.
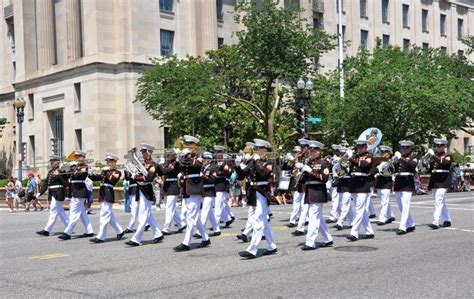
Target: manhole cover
{"type": "Point", "coordinates": [355, 248]}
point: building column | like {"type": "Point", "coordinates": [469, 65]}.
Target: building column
{"type": "Point", "coordinates": [73, 21]}
{"type": "Point", "coordinates": [207, 26]}
{"type": "Point", "coordinates": [45, 33]}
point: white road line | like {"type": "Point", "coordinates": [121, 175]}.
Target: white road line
{"type": "Point", "coordinates": [458, 209]}
{"type": "Point", "coordinates": [448, 228]}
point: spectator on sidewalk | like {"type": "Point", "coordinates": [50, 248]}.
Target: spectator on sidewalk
{"type": "Point", "coordinates": [467, 180]}
{"type": "Point", "coordinates": [11, 192]}
{"type": "Point", "coordinates": [20, 194]}
{"type": "Point", "coordinates": [32, 189]}
{"type": "Point", "coordinates": [90, 196]}
{"type": "Point", "coordinates": [38, 180]}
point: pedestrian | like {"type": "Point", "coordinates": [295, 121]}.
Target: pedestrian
{"type": "Point", "coordinates": [90, 195]}
{"type": "Point", "coordinates": [20, 194]}
{"type": "Point", "coordinates": [467, 180]}
{"type": "Point", "coordinates": [10, 195]}
{"type": "Point", "coordinates": [31, 191]}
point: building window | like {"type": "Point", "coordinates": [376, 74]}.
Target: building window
{"type": "Point", "coordinates": [385, 40]}
{"type": "Point", "coordinates": [31, 105]}
{"type": "Point", "coordinates": [337, 5]}
{"type": "Point", "coordinates": [466, 145]}
{"type": "Point", "coordinates": [425, 46]}
{"type": "Point", "coordinates": [166, 5]}
{"type": "Point", "coordinates": [444, 49]}
{"type": "Point", "coordinates": [220, 42]}
{"type": "Point", "coordinates": [442, 25]}
{"type": "Point", "coordinates": [32, 153]}
{"type": "Point", "coordinates": [343, 32]}
{"type": "Point", "coordinates": [406, 44]}
{"type": "Point", "coordinates": [405, 12]}
{"type": "Point", "coordinates": [292, 4]}
{"type": "Point", "coordinates": [385, 11]}
{"type": "Point", "coordinates": [364, 35]}
{"type": "Point", "coordinates": [166, 41]}
{"type": "Point", "coordinates": [363, 8]}
{"type": "Point", "coordinates": [318, 23]}
{"type": "Point", "coordinates": [460, 28]}
{"type": "Point", "coordinates": [78, 138]}
{"type": "Point", "coordinates": [460, 52]}
{"type": "Point", "coordinates": [220, 13]}
{"type": "Point", "coordinates": [77, 96]}
{"type": "Point", "coordinates": [424, 20]}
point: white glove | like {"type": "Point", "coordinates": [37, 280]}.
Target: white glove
{"type": "Point", "coordinates": [349, 153]}
{"type": "Point", "coordinates": [243, 166]}
{"type": "Point", "coordinates": [431, 152]}
{"type": "Point", "coordinates": [180, 175]}
{"type": "Point", "coordinates": [256, 157]}
{"type": "Point", "coordinates": [299, 165]}
{"type": "Point", "coordinates": [397, 155]}
{"type": "Point", "coordinates": [306, 168]}
{"type": "Point", "coordinates": [238, 159]}
{"type": "Point", "coordinates": [90, 171]}
{"type": "Point", "coordinates": [133, 176]}
{"type": "Point", "coordinates": [289, 157]}
{"type": "Point", "coordinates": [37, 195]}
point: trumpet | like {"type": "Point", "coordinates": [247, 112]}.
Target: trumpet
{"type": "Point", "coordinates": [424, 163]}
{"type": "Point", "coordinates": [387, 168]}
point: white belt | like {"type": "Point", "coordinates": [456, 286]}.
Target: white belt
{"type": "Point", "coordinates": [144, 183]}
{"type": "Point", "coordinates": [360, 174]}
{"type": "Point", "coordinates": [345, 177]}
{"type": "Point", "coordinates": [107, 185]}
{"type": "Point", "coordinates": [314, 183]}
{"type": "Point", "coordinates": [78, 181]}
{"type": "Point", "coordinates": [441, 170]}
{"type": "Point", "coordinates": [132, 185]}
{"type": "Point", "coordinates": [190, 176]}
{"type": "Point", "coordinates": [259, 183]}
{"type": "Point", "coordinates": [404, 174]}
{"type": "Point", "coordinates": [171, 180]}
{"type": "Point", "coordinates": [56, 186]}
{"type": "Point", "coordinates": [208, 186]}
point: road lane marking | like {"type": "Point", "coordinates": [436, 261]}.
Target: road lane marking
{"type": "Point", "coordinates": [49, 256]}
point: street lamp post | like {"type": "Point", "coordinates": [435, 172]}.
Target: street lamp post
{"type": "Point", "coordinates": [20, 114]}
{"type": "Point", "coordinates": [304, 96]}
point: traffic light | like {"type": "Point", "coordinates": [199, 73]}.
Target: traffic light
{"type": "Point", "coordinates": [54, 146]}
{"type": "Point", "coordinates": [23, 152]}
{"type": "Point", "coordinates": [301, 121]}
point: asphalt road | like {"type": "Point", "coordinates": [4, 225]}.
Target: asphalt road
{"type": "Point", "coordinates": [425, 263]}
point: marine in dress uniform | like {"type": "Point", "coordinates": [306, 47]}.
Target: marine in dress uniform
{"type": "Point", "coordinates": [132, 192]}
{"type": "Point", "coordinates": [404, 186]}
{"type": "Point", "coordinates": [79, 194]}
{"type": "Point", "coordinates": [146, 198]}
{"type": "Point", "coordinates": [295, 193]}
{"type": "Point", "coordinates": [222, 176]}
{"type": "Point", "coordinates": [335, 211]}
{"type": "Point", "coordinates": [345, 197]}
{"type": "Point", "coordinates": [170, 170]}
{"type": "Point", "coordinates": [193, 191]}
{"type": "Point", "coordinates": [315, 175]}
{"type": "Point", "coordinates": [108, 178]}
{"type": "Point", "coordinates": [440, 182]}
{"type": "Point", "coordinates": [360, 188]}
{"type": "Point", "coordinates": [384, 185]}
{"type": "Point", "coordinates": [56, 182]}
{"type": "Point", "coordinates": [259, 173]}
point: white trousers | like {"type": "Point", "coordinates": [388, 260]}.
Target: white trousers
{"type": "Point", "coordinates": [193, 220]}
{"type": "Point", "coordinates": [77, 211]}
{"type": "Point", "coordinates": [303, 216]}
{"type": "Point", "coordinates": [385, 206]}
{"type": "Point", "coordinates": [145, 216]}
{"type": "Point", "coordinates": [362, 216]}
{"type": "Point", "coordinates": [133, 212]}
{"type": "Point", "coordinates": [335, 211]}
{"type": "Point", "coordinates": [220, 211]}
{"type": "Point", "coordinates": [370, 205]}
{"type": "Point", "coordinates": [297, 206]}
{"type": "Point", "coordinates": [107, 217]}
{"type": "Point", "coordinates": [316, 222]}
{"type": "Point", "coordinates": [403, 200]}
{"type": "Point", "coordinates": [227, 208]}
{"type": "Point", "coordinates": [441, 209]}
{"type": "Point", "coordinates": [207, 213]}
{"type": "Point", "coordinates": [259, 222]}
{"type": "Point", "coordinates": [55, 210]}
{"type": "Point", "coordinates": [346, 208]}
{"type": "Point", "coordinates": [172, 213]}
{"type": "Point", "coordinates": [248, 225]}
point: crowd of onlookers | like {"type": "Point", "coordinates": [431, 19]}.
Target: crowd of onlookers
{"type": "Point", "coordinates": [18, 195]}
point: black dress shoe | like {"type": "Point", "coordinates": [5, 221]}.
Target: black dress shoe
{"type": "Point", "coordinates": [166, 233]}
{"type": "Point", "coordinates": [368, 236]}
{"type": "Point", "coordinates": [128, 231]}
{"type": "Point", "coordinates": [380, 223]}
{"type": "Point", "coordinates": [215, 234]}
{"type": "Point", "coordinates": [446, 224]}
{"type": "Point", "coordinates": [306, 248]}
{"type": "Point", "coordinates": [228, 223]}
{"type": "Point", "coordinates": [120, 236]}
{"type": "Point", "coordinates": [330, 221]}
{"type": "Point", "coordinates": [327, 244]}
{"type": "Point", "coordinates": [197, 236]}
{"type": "Point", "coordinates": [147, 227]}
{"type": "Point", "coordinates": [131, 243]}
{"type": "Point", "coordinates": [243, 238]}
{"type": "Point", "coordinates": [372, 216]}
{"type": "Point", "coordinates": [390, 220]}
{"type": "Point", "coordinates": [86, 235]}
{"type": "Point", "coordinates": [204, 244]}
{"type": "Point", "coordinates": [291, 225]}
{"type": "Point", "coordinates": [433, 226]}
{"type": "Point", "coordinates": [43, 233]}
{"type": "Point", "coordinates": [270, 215]}
{"type": "Point", "coordinates": [247, 255]}
{"type": "Point", "coordinates": [64, 236]}
{"type": "Point", "coordinates": [400, 232]}
{"type": "Point", "coordinates": [181, 229]}
{"type": "Point", "coordinates": [306, 223]}
{"type": "Point", "coordinates": [181, 247]}
{"type": "Point", "coordinates": [95, 240]}
{"type": "Point", "coordinates": [351, 238]}
{"type": "Point", "coordinates": [298, 233]}
{"type": "Point", "coordinates": [263, 238]}
{"type": "Point", "coordinates": [242, 230]}
{"type": "Point", "coordinates": [411, 229]}
{"type": "Point", "coordinates": [270, 252]}
{"type": "Point", "coordinates": [338, 227]}
{"type": "Point", "coordinates": [158, 240]}
{"type": "Point", "coordinates": [233, 218]}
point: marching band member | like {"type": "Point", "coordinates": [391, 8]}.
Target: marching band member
{"type": "Point", "coordinates": [109, 178]}
{"type": "Point", "coordinates": [222, 176]}
{"type": "Point", "coordinates": [170, 170]}
{"type": "Point", "coordinates": [259, 173]}
{"type": "Point", "coordinates": [192, 194]}
{"type": "Point", "coordinates": [303, 214]}
{"type": "Point", "coordinates": [360, 188]}
{"type": "Point", "coordinates": [79, 194]}
{"type": "Point", "coordinates": [55, 183]}
{"type": "Point", "coordinates": [404, 186]}
{"type": "Point", "coordinates": [132, 192]}
{"type": "Point", "coordinates": [297, 193]}
{"type": "Point", "coordinates": [384, 186]}
{"type": "Point", "coordinates": [146, 198]}
{"type": "Point", "coordinates": [335, 211]}
{"type": "Point", "coordinates": [344, 193]}
{"type": "Point", "coordinates": [315, 175]}
{"type": "Point", "coordinates": [440, 181]}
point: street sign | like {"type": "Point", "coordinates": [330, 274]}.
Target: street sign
{"type": "Point", "coordinates": [314, 120]}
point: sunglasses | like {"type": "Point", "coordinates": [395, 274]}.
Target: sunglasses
{"type": "Point", "coordinates": [405, 147]}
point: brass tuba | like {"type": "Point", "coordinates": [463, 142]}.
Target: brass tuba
{"type": "Point", "coordinates": [133, 164]}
